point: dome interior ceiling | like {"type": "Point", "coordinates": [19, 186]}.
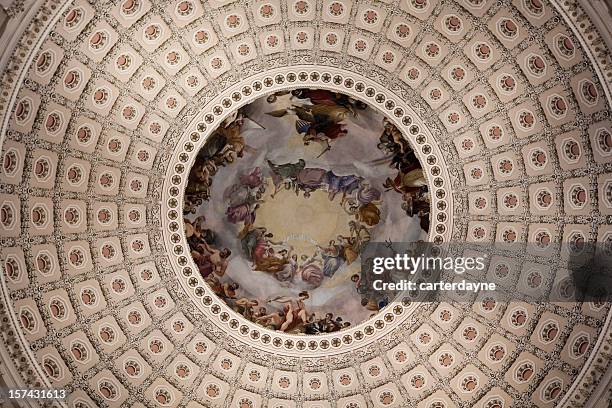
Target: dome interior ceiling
{"type": "Point", "coordinates": [105, 105]}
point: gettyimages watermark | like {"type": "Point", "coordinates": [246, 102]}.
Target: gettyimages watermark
{"type": "Point", "coordinates": [424, 272]}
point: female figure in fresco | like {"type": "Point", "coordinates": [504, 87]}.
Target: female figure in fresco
{"type": "Point", "coordinates": [360, 234]}
{"type": "Point", "coordinates": [289, 268]}
{"type": "Point", "coordinates": [333, 258]}
{"type": "Point", "coordinates": [310, 270]}
{"type": "Point", "coordinates": [249, 189]}
{"type": "Point", "coordinates": [261, 245]}
{"type": "Point", "coordinates": [245, 211]}
{"type": "Point", "coordinates": [270, 261]}
{"type": "Point", "coordinates": [369, 214]}
{"type": "Point", "coordinates": [354, 244]}
{"type": "Point", "coordinates": [254, 179]}
{"type": "Point", "coordinates": [348, 248]}
{"type": "Point", "coordinates": [341, 184]}
{"type": "Point", "coordinates": [364, 204]}
{"type": "Point", "coordinates": [366, 194]}
{"type": "Point", "coordinates": [320, 121]}
{"type": "Point", "coordinates": [249, 238]}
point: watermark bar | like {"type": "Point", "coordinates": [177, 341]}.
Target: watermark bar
{"type": "Point", "coordinates": [530, 272]}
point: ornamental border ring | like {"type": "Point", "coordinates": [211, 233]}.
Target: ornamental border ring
{"type": "Point", "coordinates": [196, 134]}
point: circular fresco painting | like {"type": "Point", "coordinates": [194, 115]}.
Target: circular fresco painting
{"type": "Point", "coordinates": [284, 196]}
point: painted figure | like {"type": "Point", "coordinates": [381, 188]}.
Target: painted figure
{"type": "Point", "coordinates": [294, 309]}
{"type": "Point", "coordinates": [310, 270]}
{"type": "Point", "coordinates": [333, 258]}
{"type": "Point", "coordinates": [210, 260]}
{"type": "Point", "coordinates": [341, 184]}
